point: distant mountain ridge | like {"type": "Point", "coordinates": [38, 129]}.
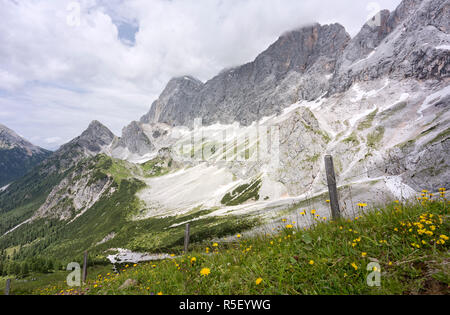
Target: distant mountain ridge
{"type": "Point", "coordinates": [17, 155]}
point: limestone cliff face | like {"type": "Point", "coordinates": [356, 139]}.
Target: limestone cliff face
{"type": "Point", "coordinates": [94, 140]}
{"type": "Point", "coordinates": [307, 63]}
{"type": "Point", "coordinates": [407, 43]}
{"type": "Point", "coordinates": [74, 195]}
{"type": "Point", "coordinates": [294, 67]}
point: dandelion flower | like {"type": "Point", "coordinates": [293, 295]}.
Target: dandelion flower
{"type": "Point", "coordinates": [205, 271]}
{"type": "Point", "coordinates": [311, 262]}
{"type": "Point", "coordinates": [258, 281]}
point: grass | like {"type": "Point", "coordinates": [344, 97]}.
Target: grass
{"type": "Point", "coordinates": [243, 193]}
{"type": "Point", "coordinates": [444, 135]}
{"type": "Point", "coordinates": [367, 123]}
{"type": "Point", "coordinates": [353, 139]}
{"type": "Point", "coordinates": [374, 138]}
{"type": "Point", "coordinates": [34, 282]}
{"type": "Point", "coordinates": [409, 242]}
{"type": "Point", "coordinates": [156, 167]}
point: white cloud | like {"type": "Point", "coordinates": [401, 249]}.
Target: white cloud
{"type": "Point", "coordinates": [52, 140]}
{"type": "Point", "coordinates": [55, 77]}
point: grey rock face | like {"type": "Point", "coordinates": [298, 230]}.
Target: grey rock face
{"type": "Point", "coordinates": [302, 143]}
{"type": "Point", "coordinates": [74, 195]}
{"type": "Point", "coordinates": [91, 142]}
{"type": "Point", "coordinates": [423, 166]}
{"type": "Point", "coordinates": [135, 140]}
{"type": "Point", "coordinates": [95, 137]}
{"type": "Point", "coordinates": [293, 68]}
{"type": "Point", "coordinates": [307, 63]}
{"type": "Point", "coordinates": [175, 100]}
{"type": "Point", "coordinates": [404, 44]}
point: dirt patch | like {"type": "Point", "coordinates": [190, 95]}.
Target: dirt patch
{"type": "Point", "coordinates": [435, 287]}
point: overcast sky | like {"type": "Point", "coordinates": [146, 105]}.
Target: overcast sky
{"type": "Point", "coordinates": [66, 63]}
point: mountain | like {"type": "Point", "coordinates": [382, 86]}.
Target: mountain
{"type": "Point", "coordinates": [17, 155]}
{"type": "Point", "coordinates": [377, 102]}
{"type": "Point", "coordinates": [41, 179]}
{"type": "Point", "coordinates": [295, 67]}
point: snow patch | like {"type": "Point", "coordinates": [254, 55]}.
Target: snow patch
{"type": "Point", "coordinates": [4, 188]}
{"type": "Point", "coordinates": [430, 100]}
{"type": "Point", "coordinates": [364, 59]}
{"type": "Point", "coordinates": [127, 256]}
{"type": "Point", "coordinates": [443, 47]}
{"type": "Point", "coordinates": [398, 188]}
{"type": "Point", "coordinates": [107, 238]}
{"type": "Point", "coordinates": [16, 227]}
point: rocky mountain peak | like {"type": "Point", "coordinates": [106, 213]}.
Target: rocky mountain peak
{"type": "Point", "coordinates": [401, 44]}
{"type": "Point", "coordinates": [92, 140]}
{"type": "Point", "coordinates": [95, 137]}
{"type": "Point", "coordinates": [259, 88]}
{"type": "Point", "coordinates": [9, 139]}
{"type": "Point", "coordinates": [299, 49]}
{"type": "Point", "coordinates": [178, 93]}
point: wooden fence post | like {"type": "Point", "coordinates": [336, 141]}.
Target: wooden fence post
{"type": "Point", "coordinates": [85, 266]}
{"type": "Point", "coordinates": [8, 287]}
{"type": "Point", "coordinates": [186, 238]}
{"type": "Point", "coordinates": [332, 188]}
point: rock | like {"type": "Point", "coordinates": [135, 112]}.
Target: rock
{"type": "Point", "coordinates": [404, 45]}
{"type": "Point", "coordinates": [294, 67]}
{"type": "Point", "coordinates": [128, 283]}
{"type": "Point", "coordinates": [135, 140]}
{"type": "Point", "coordinates": [95, 137]}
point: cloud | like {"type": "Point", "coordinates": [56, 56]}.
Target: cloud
{"type": "Point", "coordinates": [65, 63]}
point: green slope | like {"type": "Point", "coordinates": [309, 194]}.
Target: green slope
{"type": "Point", "coordinates": [14, 163]}
{"type": "Point", "coordinates": [65, 241]}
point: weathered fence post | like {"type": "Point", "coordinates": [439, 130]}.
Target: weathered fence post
{"type": "Point", "coordinates": [332, 188]}
{"type": "Point", "coordinates": [85, 266]}
{"type": "Point", "coordinates": [8, 287]}
{"type": "Point", "coordinates": [186, 238]}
